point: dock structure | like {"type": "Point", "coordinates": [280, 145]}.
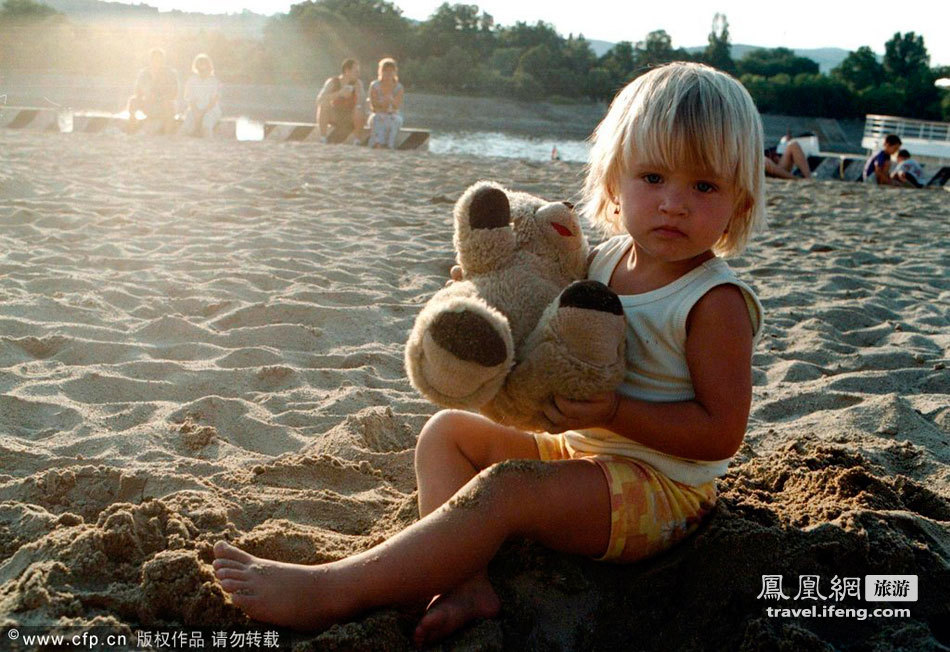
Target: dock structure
{"type": "Point", "coordinates": [68, 121]}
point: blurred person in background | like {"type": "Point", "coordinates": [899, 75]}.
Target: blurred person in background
{"type": "Point", "coordinates": [340, 105]}
{"type": "Point", "coordinates": [202, 98]}
{"type": "Point", "coordinates": [155, 94]}
{"type": "Point", "coordinates": [385, 97]}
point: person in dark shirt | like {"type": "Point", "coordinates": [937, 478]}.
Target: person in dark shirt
{"type": "Point", "coordinates": [340, 105]}
{"type": "Point", "coordinates": [877, 169]}
{"type": "Point", "coordinates": [155, 95]}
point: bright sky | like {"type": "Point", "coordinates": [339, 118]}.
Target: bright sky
{"type": "Point", "coordinates": [769, 23]}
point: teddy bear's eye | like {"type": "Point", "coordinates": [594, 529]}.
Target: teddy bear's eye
{"type": "Point", "coordinates": [569, 205]}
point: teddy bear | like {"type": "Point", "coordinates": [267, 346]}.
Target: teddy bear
{"type": "Point", "coordinates": [517, 324]}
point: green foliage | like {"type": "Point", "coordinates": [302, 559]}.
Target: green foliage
{"type": "Point", "coordinates": [768, 62]}
{"type": "Point", "coordinates": [860, 69]}
{"type": "Point", "coordinates": [718, 53]}
{"type": "Point", "coordinates": [26, 10]}
{"type": "Point", "coordinates": [505, 60]}
{"type": "Point", "coordinates": [905, 56]}
{"type": "Point", "coordinates": [804, 94]}
{"type": "Point", "coordinates": [886, 98]}
{"type": "Point", "coordinates": [656, 49]}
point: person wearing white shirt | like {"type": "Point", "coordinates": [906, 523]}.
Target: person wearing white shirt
{"type": "Point", "coordinates": [202, 98]}
{"type": "Point", "coordinates": [908, 172]}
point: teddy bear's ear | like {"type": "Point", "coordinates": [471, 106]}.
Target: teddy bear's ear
{"type": "Point", "coordinates": [489, 209]}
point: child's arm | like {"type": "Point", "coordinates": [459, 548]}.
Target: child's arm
{"type": "Point", "coordinates": [712, 425]}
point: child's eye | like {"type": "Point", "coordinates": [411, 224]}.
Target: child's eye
{"type": "Point", "coordinates": [705, 187]}
{"type": "Point", "coordinates": [652, 177]}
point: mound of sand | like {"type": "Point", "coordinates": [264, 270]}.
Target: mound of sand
{"type": "Point", "coordinates": [204, 340]}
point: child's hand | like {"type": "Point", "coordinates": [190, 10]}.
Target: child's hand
{"type": "Point", "coordinates": [568, 414]}
{"type": "Point", "coordinates": [455, 274]}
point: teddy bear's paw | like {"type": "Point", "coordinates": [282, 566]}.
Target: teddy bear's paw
{"type": "Point", "coordinates": [591, 295]}
{"type": "Point", "coordinates": [589, 323]}
{"type": "Point", "coordinates": [464, 359]}
{"type": "Point", "coordinates": [484, 237]}
{"type": "Point", "coordinates": [490, 208]}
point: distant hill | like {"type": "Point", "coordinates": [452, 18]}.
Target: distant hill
{"type": "Point", "coordinates": [826, 58]}
{"type": "Point", "coordinates": [600, 48]}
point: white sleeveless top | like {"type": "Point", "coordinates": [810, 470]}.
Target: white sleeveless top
{"type": "Point", "coordinates": [656, 356]}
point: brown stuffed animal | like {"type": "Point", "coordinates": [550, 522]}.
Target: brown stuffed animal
{"type": "Point", "coordinates": [519, 326]}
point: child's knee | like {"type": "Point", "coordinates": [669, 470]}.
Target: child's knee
{"type": "Point", "coordinates": [515, 476]}
{"type": "Point", "coordinates": [504, 490]}
{"type": "Point", "coordinates": [441, 427]}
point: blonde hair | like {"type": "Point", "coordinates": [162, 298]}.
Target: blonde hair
{"type": "Point", "coordinates": [675, 115]}
{"type": "Point", "coordinates": [388, 61]}
{"type": "Point", "coordinates": [199, 58]}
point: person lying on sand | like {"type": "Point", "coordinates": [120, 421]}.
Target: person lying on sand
{"type": "Point", "coordinates": [626, 474]}
{"type": "Point", "coordinates": [781, 166]}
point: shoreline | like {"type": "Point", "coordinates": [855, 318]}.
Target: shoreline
{"type": "Point", "coordinates": [425, 111]}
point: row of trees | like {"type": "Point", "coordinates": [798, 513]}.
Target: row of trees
{"type": "Point", "coordinates": [460, 49]}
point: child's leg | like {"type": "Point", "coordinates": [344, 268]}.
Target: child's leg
{"type": "Point", "coordinates": [452, 448]}
{"type": "Point", "coordinates": [794, 156]}
{"type": "Point", "coordinates": [564, 505]}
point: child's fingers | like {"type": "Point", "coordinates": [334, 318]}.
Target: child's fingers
{"type": "Point", "coordinates": [554, 416]}
{"type": "Point", "coordinates": [565, 405]}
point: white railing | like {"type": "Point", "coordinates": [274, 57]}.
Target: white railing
{"type": "Point", "coordinates": [925, 139]}
{"type": "Point", "coordinates": [878, 126]}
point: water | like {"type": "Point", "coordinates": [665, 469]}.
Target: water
{"type": "Point", "coordinates": [494, 143]}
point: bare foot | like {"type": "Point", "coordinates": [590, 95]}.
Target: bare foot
{"type": "Point", "coordinates": [291, 595]}
{"type": "Point", "coordinates": [446, 613]}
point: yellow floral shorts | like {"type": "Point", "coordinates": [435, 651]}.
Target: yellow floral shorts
{"type": "Point", "coordinates": [648, 511]}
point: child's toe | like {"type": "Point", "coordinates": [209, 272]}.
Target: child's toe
{"type": "Point", "coordinates": [236, 586]}
{"type": "Point", "coordinates": [230, 574]}
{"type": "Point", "coordinates": [227, 563]}
{"type": "Point", "coordinates": [224, 550]}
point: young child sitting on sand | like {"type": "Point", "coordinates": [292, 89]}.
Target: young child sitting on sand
{"type": "Point", "coordinates": [676, 167]}
{"type": "Point", "coordinates": [908, 172]}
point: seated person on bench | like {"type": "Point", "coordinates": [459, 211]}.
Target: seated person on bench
{"type": "Point", "coordinates": [340, 105]}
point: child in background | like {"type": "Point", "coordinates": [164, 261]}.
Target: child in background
{"type": "Point", "coordinates": [676, 168]}
{"type": "Point", "coordinates": [877, 169]}
{"type": "Point", "coordinates": [385, 96]}
{"type": "Point", "coordinates": [202, 95]}
{"type": "Point", "coordinates": [908, 171]}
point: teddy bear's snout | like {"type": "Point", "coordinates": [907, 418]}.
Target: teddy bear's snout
{"type": "Point", "coordinates": [563, 224]}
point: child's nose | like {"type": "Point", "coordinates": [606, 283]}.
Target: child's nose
{"type": "Point", "coordinates": [674, 201]}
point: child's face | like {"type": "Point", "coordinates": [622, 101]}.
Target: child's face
{"type": "Point", "coordinates": [675, 215]}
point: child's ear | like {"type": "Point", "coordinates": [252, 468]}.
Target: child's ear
{"type": "Point", "coordinates": [744, 205]}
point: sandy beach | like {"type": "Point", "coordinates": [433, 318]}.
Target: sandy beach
{"type": "Point", "coordinates": [204, 340]}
